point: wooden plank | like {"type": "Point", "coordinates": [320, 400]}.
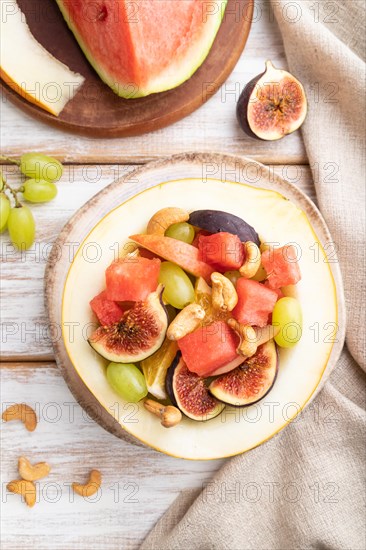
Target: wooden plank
{"type": "Point", "coordinates": [139, 484]}
{"type": "Point", "coordinates": [211, 128]}
{"type": "Point", "coordinates": [24, 325]}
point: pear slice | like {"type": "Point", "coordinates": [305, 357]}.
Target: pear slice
{"type": "Point", "coordinates": [28, 68]}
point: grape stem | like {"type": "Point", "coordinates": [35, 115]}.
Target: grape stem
{"type": "Point", "coordinates": [8, 159]}
{"type": "Point", "coordinates": [13, 192]}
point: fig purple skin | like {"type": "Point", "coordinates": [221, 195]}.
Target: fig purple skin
{"type": "Point", "coordinates": [243, 105]}
{"type": "Point", "coordinates": [189, 392]}
{"type": "Point", "coordinates": [169, 379]}
{"type": "Point", "coordinates": [250, 382]}
{"type": "Point", "coordinates": [272, 105]}
{"type": "Point", "coordinates": [216, 221]}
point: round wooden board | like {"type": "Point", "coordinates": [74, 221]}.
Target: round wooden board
{"type": "Point", "coordinates": [96, 111]}
{"type": "Point", "coordinates": [149, 175]}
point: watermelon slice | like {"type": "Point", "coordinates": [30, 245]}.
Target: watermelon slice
{"type": "Point", "coordinates": [145, 46]}
{"type": "Point", "coordinates": [107, 311]}
{"type": "Point", "coordinates": [131, 279]}
{"type": "Point", "coordinates": [180, 253]}
{"type": "Point", "coordinates": [255, 302]}
{"type": "Point", "coordinates": [281, 266]}
{"type": "Point", "coordinates": [209, 348]}
{"type": "Point", "coordinates": [222, 250]}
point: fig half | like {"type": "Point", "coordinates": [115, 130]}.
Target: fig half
{"type": "Point", "coordinates": [272, 105]}
{"type": "Point", "coordinates": [251, 381]}
{"type": "Point", "coordinates": [189, 392]}
{"type": "Point", "coordinates": [140, 332]}
{"type": "Point", "coordinates": [216, 221]}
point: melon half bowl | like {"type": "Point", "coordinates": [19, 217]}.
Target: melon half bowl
{"type": "Point", "coordinates": [280, 213]}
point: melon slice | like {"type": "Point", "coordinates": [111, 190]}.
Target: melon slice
{"type": "Point", "coordinates": [28, 68]}
{"type": "Point", "coordinates": [145, 46]}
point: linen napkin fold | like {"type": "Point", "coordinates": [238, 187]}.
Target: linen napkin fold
{"type": "Point", "coordinates": [305, 488]}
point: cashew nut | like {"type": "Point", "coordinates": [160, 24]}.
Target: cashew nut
{"type": "Point", "coordinates": [248, 338]}
{"type": "Point", "coordinates": [25, 488]}
{"type": "Point", "coordinates": [164, 218]}
{"type": "Point", "coordinates": [91, 487]}
{"type": "Point", "coordinates": [252, 260]}
{"type": "Point", "coordinates": [186, 321]}
{"type": "Point", "coordinates": [22, 412]}
{"type": "Point", "coordinates": [30, 472]}
{"type": "Point", "coordinates": [170, 416]}
{"type": "Point", "coordinates": [224, 295]}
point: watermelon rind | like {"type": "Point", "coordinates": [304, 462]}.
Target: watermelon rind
{"type": "Point", "coordinates": [174, 75]}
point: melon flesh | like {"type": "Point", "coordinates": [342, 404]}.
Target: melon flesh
{"type": "Point", "coordinates": [145, 46]}
{"type": "Point", "coordinates": [28, 68]}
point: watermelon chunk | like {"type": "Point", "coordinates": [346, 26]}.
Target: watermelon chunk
{"type": "Point", "coordinates": [209, 348]}
{"type": "Point", "coordinates": [132, 279]}
{"type": "Point", "coordinates": [281, 266]}
{"type": "Point", "coordinates": [255, 302]}
{"type": "Point", "coordinates": [198, 235]}
{"type": "Point", "coordinates": [183, 254]}
{"type": "Point", "coordinates": [223, 250]}
{"type": "Point", "coordinates": [107, 311]}
{"type": "Point", "coordinates": [145, 46]}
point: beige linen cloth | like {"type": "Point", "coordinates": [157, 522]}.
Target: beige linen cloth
{"type": "Point", "coordinates": [305, 488]}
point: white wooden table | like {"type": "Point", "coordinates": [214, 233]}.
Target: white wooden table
{"type": "Point", "coordinates": [138, 484]}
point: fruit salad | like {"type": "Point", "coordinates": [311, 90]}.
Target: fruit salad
{"type": "Point", "coordinates": [193, 316]}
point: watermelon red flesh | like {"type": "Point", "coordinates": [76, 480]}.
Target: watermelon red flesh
{"type": "Point", "coordinates": [132, 279]}
{"type": "Point", "coordinates": [107, 311]}
{"type": "Point", "coordinates": [198, 235]}
{"type": "Point", "coordinates": [144, 46]}
{"type": "Point", "coordinates": [208, 348]}
{"type": "Point", "coordinates": [222, 250]}
{"type": "Point", "coordinates": [281, 266]}
{"type": "Point", "coordinates": [180, 253]}
{"type": "Point", "coordinates": [255, 303]}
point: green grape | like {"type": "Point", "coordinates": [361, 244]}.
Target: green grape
{"type": "Point", "coordinates": [40, 167]}
{"type": "Point", "coordinates": [1, 181]}
{"type": "Point", "coordinates": [181, 232]}
{"type": "Point", "coordinates": [127, 380]}
{"type": "Point", "coordinates": [39, 190]}
{"type": "Point", "coordinates": [4, 211]}
{"type": "Point", "coordinates": [233, 276]}
{"type": "Point", "coordinates": [22, 227]}
{"type": "Point", "coordinates": [178, 290]}
{"type": "Point", "coordinates": [288, 316]}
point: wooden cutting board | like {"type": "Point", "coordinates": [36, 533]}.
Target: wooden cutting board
{"type": "Point", "coordinates": [96, 111]}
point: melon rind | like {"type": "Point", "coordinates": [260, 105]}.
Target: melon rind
{"type": "Point", "coordinates": [173, 76]}
{"type": "Point", "coordinates": [28, 68]}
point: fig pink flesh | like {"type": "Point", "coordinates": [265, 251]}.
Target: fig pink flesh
{"type": "Point", "coordinates": [251, 381]}
{"type": "Point", "coordinates": [192, 396]}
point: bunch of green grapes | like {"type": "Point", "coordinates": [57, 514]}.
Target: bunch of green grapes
{"type": "Point", "coordinates": [16, 217]}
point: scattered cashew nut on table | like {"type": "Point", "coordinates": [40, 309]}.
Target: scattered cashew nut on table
{"type": "Point", "coordinates": [31, 472]}
{"type": "Point", "coordinates": [186, 322]}
{"type": "Point", "coordinates": [23, 412]}
{"type": "Point", "coordinates": [170, 416]}
{"type": "Point", "coordinates": [91, 487]}
{"type": "Point", "coordinates": [224, 295]}
{"type": "Point", "coordinates": [25, 488]}
{"type": "Point", "coordinates": [164, 218]}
